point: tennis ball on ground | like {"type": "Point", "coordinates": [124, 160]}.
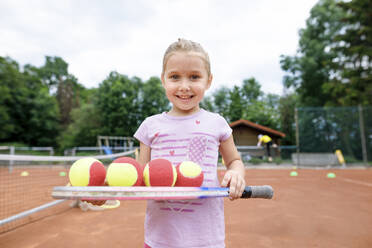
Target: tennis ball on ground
{"type": "Point", "coordinates": [24, 174]}
{"type": "Point", "coordinates": [189, 174]}
{"type": "Point", "coordinates": [124, 171]}
{"type": "Point", "coordinates": [331, 175]}
{"type": "Point", "coordinates": [87, 172]}
{"type": "Point", "coordinates": [293, 174]}
{"type": "Point", "coordinates": [159, 172]}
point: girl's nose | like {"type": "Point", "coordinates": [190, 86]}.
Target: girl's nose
{"type": "Point", "coordinates": [184, 85]}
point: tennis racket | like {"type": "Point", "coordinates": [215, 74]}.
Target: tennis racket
{"type": "Point", "coordinates": [155, 193]}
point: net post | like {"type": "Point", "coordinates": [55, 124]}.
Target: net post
{"type": "Point", "coordinates": [11, 162]}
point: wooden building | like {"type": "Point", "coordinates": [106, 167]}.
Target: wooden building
{"type": "Point", "coordinates": [246, 135]}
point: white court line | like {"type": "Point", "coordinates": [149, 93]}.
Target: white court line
{"type": "Point", "coordinates": [296, 178]}
{"type": "Point", "coordinates": [356, 182]}
{"type": "Point", "coordinates": [311, 179]}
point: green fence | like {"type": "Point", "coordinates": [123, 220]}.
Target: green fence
{"type": "Point", "coordinates": [324, 130]}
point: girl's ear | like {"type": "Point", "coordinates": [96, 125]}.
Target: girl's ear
{"type": "Point", "coordinates": [162, 79]}
{"type": "Point", "coordinates": [210, 78]}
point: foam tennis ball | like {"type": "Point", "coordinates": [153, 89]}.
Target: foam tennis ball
{"type": "Point", "coordinates": [124, 171]}
{"type": "Point", "coordinates": [159, 172]}
{"type": "Point", "coordinates": [189, 174]}
{"type": "Point", "coordinates": [331, 175]}
{"type": "Point", "coordinates": [87, 172]}
{"type": "Point", "coordinates": [24, 174]}
{"type": "Point", "coordinates": [293, 174]}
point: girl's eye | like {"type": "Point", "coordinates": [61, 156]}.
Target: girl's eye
{"type": "Point", "coordinates": [174, 77]}
{"type": "Point", "coordinates": [195, 77]}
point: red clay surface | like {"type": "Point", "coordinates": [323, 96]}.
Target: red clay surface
{"type": "Point", "coordinates": [309, 210]}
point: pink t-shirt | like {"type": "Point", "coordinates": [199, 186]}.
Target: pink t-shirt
{"type": "Point", "coordinates": [186, 223]}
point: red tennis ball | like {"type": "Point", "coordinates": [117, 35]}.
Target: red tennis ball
{"type": "Point", "coordinates": [189, 174]}
{"type": "Point", "coordinates": [87, 172]}
{"type": "Point", "coordinates": [159, 172]}
{"type": "Point", "coordinates": [124, 171]}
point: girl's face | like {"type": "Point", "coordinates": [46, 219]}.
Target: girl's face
{"type": "Point", "coordinates": [185, 79]}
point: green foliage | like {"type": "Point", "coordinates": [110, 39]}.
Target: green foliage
{"type": "Point", "coordinates": [30, 113]}
{"type": "Point", "coordinates": [84, 128]}
{"type": "Point", "coordinates": [124, 103]}
{"type": "Point", "coordinates": [309, 69]}
{"type": "Point", "coordinates": [351, 83]}
{"type": "Point", "coordinates": [9, 72]}
{"type": "Point", "coordinates": [152, 99]}
{"type": "Point", "coordinates": [277, 160]}
{"type": "Point", "coordinates": [287, 105]}
{"type": "Point", "coordinates": [54, 74]}
{"type": "Point", "coordinates": [255, 161]}
{"type": "Point", "coordinates": [332, 66]}
{"type": "Point", "coordinates": [118, 104]}
{"type": "Point", "coordinates": [54, 71]}
{"type": "Point", "coordinates": [221, 101]}
{"type": "Point", "coordinates": [236, 106]}
{"type": "Point", "coordinates": [47, 106]}
{"type": "Point", "coordinates": [245, 102]}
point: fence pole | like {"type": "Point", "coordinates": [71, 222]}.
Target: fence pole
{"type": "Point", "coordinates": [362, 135]}
{"type": "Point", "coordinates": [297, 138]}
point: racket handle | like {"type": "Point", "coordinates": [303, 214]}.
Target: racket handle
{"type": "Point", "coordinates": [265, 192]}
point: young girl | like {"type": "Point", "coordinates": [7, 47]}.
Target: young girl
{"type": "Point", "coordinates": [189, 133]}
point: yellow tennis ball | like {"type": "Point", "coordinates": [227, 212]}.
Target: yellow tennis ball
{"type": "Point", "coordinates": [159, 172]}
{"type": "Point", "coordinates": [87, 172]}
{"type": "Point", "coordinates": [189, 174]}
{"type": "Point", "coordinates": [124, 171]}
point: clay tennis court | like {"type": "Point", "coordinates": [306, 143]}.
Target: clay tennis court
{"type": "Point", "coordinates": [309, 210]}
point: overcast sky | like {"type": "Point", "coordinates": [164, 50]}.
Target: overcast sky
{"type": "Point", "coordinates": [244, 38]}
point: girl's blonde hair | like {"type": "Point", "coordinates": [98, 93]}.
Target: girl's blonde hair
{"type": "Point", "coordinates": [183, 45]}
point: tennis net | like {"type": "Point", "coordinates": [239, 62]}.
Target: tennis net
{"type": "Point", "coordinates": [26, 183]}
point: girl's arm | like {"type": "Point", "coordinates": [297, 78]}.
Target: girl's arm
{"type": "Point", "coordinates": [234, 176]}
{"type": "Point", "coordinates": [144, 154]}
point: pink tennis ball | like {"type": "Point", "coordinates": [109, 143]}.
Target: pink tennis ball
{"type": "Point", "coordinates": [189, 174]}
{"type": "Point", "coordinates": [124, 171]}
{"type": "Point", "coordinates": [87, 172]}
{"type": "Point", "coordinates": [159, 172]}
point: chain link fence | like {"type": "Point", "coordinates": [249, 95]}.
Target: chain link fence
{"type": "Point", "coordinates": [325, 130]}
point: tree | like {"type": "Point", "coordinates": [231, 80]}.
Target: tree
{"type": "Point", "coordinates": [54, 74]}
{"type": "Point", "coordinates": [152, 99]}
{"type": "Point", "coordinates": [86, 123]}
{"type": "Point", "coordinates": [245, 102]}
{"type": "Point", "coordinates": [310, 69]}
{"type": "Point", "coordinates": [221, 102]}
{"type": "Point", "coordinates": [54, 71]}
{"type": "Point", "coordinates": [251, 90]}
{"type": "Point", "coordinates": [237, 105]}
{"type": "Point", "coordinates": [67, 98]}
{"type": "Point", "coordinates": [118, 104]}
{"type": "Point", "coordinates": [287, 105]}
{"type": "Point", "coordinates": [351, 83]}
{"type": "Point", "coordinates": [264, 111]}
{"type": "Point", "coordinates": [9, 72]}
{"type": "Point", "coordinates": [29, 112]}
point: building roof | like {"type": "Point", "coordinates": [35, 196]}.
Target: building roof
{"type": "Point", "coordinates": [258, 127]}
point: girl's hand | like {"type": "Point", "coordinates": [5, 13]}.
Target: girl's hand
{"type": "Point", "coordinates": [236, 182]}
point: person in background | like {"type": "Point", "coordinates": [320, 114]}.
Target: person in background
{"type": "Point", "coordinates": [268, 142]}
